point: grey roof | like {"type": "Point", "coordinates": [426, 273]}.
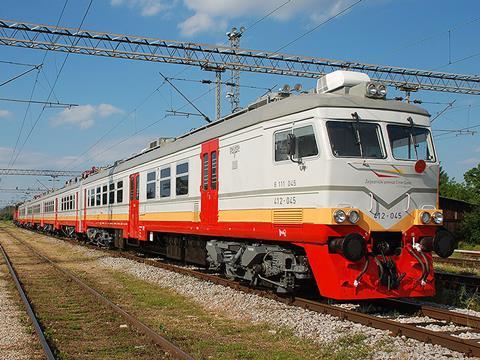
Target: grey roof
{"type": "Point", "coordinates": [288, 106]}
{"type": "Point", "coordinates": [246, 118]}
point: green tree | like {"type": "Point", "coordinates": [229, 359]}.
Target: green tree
{"type": "Point", "coordinates": [451, 189]}
{"type": "Point", "coordinates": [472, 183]}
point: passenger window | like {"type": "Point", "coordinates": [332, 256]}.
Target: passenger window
{"type": "Point", "coordinates": [104, 195]}
{"type": "Point", "coordinates": [182, 179]}
{"type": "Point", "coordinates": [205, 172]}
{"type": "Point", "coordinates": [119, 192]}
{"type": "Point", "coordinates": [165, 182]}
{"type": "Point", "coordinates": [99, 196]}
{"type": "Point", "coordinates": [151, 184]}
{"type": "Point", "coordinates": [111, 194]}
{"type": "Point", "coordinates": [214, 170]}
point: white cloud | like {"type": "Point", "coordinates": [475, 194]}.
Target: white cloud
{"type": "Point", "coordinates": [217, 14]}
{"type": "Point", "coordinates": [146, 7]}
{"type": "Point", "coordinates": [470, 161]}
{"type": "Point", "coordinates": [84, 116]}
{"type": "Point", "coordinates": [4, 114]}
{"type": "Point", "coordinates": [210, 14]}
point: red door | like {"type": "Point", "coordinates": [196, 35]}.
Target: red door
{"type": "Point", "coordinates": [134, 203]}
{"type": "Point", "coordinates": [209, 182]}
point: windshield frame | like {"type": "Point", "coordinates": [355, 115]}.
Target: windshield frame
{"type": "Point", "coordinates": [429, 141]}
{"type": "Point", "coordinates": [380, 137]}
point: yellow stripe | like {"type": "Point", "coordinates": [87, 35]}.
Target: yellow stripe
{"type": "Point", "coordinates": [171, 216]}
{"type": "Point", "coordinates": [115, 217]}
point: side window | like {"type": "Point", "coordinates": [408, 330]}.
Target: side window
{"type": "Point", "coordinates": [98, 197]}
{"type": "Point", "coordinates": [305, 145]}
{"type": "Point", "coordinates": [205, 172]}
{"type": "Point", "coordinates": [182, 179]}
{"type": "Point", "coordinates": [104, 194]}
{"type": "Point", "coordinates": [151, 185]}
{"type": "Point", "coordinates": [119, 192]}
{"type": "Point", "coordinates": [165, 182]}
{"type": "Point", "coordinates": [92, 197]}
{"type": "Point", "coordinates": [281, 148]}
{"type": "Point", "coordinates": [137, 186]}
{"type": "Point", "coordinates": [111, 194]}
{"type": "Point", "coordinates": [214, 170]}
{"type": "Point", "coordinates": [131, 187]}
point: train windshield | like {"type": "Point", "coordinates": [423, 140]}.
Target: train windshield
{"type": "Point", "coordinates": [355, 139]}
{"type": "Point", "coordinates": [410, 143]}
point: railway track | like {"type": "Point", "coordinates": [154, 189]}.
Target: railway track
{"type": "Point", "coordinates": [135, 323]}
{"type": "Point", "coordinates": [417, 331]}
{"type": "Point", "coordinates": [28, 306]}
{"type": "Point", "coordinates": [464, 262]}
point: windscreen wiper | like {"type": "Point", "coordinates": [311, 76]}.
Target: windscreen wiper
{"type": "Point", "coordinates": [357, 132]}
{"type": "Point", "coordinates": [412, 138]}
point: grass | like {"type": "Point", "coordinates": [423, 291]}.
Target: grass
{"type": "Point", "coordinates": [456, 269]}
{"type": "Point", "coordinates": [462, 298]}
{"type": "Point", "coordinates": [202, 333]}
{"type": "Point", "coordinates": [467, 246]}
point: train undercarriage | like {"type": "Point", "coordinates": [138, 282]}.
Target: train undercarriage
{"type": "Point", "coordinates": [259, 264]}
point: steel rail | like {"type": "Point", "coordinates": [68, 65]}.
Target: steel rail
{"type": "Point", "coordinates": [87, 42]}
{"type": "Point", "coordinates": [436, 313]}
{"type": "Point", "coordinates": [132, 320]}
{"type": "Point", "coordinates": [466, 346]}
{"type": "Point", "coordinates": [28, 306]}
{"type": "Point", "coordinates": [472, 263]}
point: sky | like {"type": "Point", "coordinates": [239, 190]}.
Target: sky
{"type": "Point", "coordinates": [131, 98]}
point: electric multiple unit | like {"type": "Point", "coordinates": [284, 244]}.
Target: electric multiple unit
{"type": "Point", "coordinates": [337, 186]}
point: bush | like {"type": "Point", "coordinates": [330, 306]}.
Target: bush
{"type": "Point", "coordinates": [470, 227]}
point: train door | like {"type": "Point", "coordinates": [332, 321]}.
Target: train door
{"type": "Point", "coordinates": [134, 205]}
{"type": "Point", "coordinates": [209, 183]}
{"type": "Point", "coordinates": [56, 214]}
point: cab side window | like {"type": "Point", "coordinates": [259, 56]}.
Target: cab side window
{"type": "Point", "coordinates": [305, 143]}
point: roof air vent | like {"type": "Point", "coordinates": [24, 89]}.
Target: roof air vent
{"type": "Point", "coordinates": [340, 80]}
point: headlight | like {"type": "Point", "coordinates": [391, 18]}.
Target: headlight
{"type": "Point", "coordinates": [339, 216]}
{"type": "Point", "coordinates": [437, 217]}
{"type": "Point", "coordinates": [425, 217]}
{"type": "Point", "coordinates": [372, 89]}
{"type": "Point", "coordinates": [353, 216]}
{"type": "Point", "coordinates": [382, 90]}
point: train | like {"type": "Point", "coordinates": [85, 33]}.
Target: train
{"type": "Point", "coordinates": [335, 186]}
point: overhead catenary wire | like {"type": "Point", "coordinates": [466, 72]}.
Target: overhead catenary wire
{"type": "Point", "coordinates": [146, 127]}
{"type": "Point", "coordinates": [12, 157]}
{"type": "Point", "coordinates": [207, 119]}
{"type": "Point", "coordinates": [48, 104]}
{"type": "Point", "coordinates": [20, 75]}
{"type": "Point", "coordinates": [53, 87]}
{"type": "Point", "coordinates": [319, 25]}
{"type": "Point", "coordinates": [161, 85]}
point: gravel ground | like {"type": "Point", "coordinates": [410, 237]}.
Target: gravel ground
{"type": "Point", "coordinates": [238, 305]}
{"type": "Point", "coordinates": [307, 324]}
{"type": "Point", "coordinates": [14, 336]}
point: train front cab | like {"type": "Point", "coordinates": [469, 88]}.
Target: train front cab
{"type": "Point", "coordinates": [377, 239]}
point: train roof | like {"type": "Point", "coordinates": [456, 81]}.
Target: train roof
{"type": "Point", "coordinates": [255, 114]}
{"type": "Point", "coordinates": [251, 116]}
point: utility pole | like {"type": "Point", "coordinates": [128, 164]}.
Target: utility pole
{"type": "Point", "coordinates": [234, 36]}
{"type": "Point", "coordinates": [218, 87]}
{"type": "Point", "coordinates": [218, 94]}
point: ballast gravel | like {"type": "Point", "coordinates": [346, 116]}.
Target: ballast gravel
{"type": "Point", "coordinates": [306, 324]}
{"type": "Point", "coordinates": [14, 338]}
{"type": "Point", "coordinates": [320, 328]}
